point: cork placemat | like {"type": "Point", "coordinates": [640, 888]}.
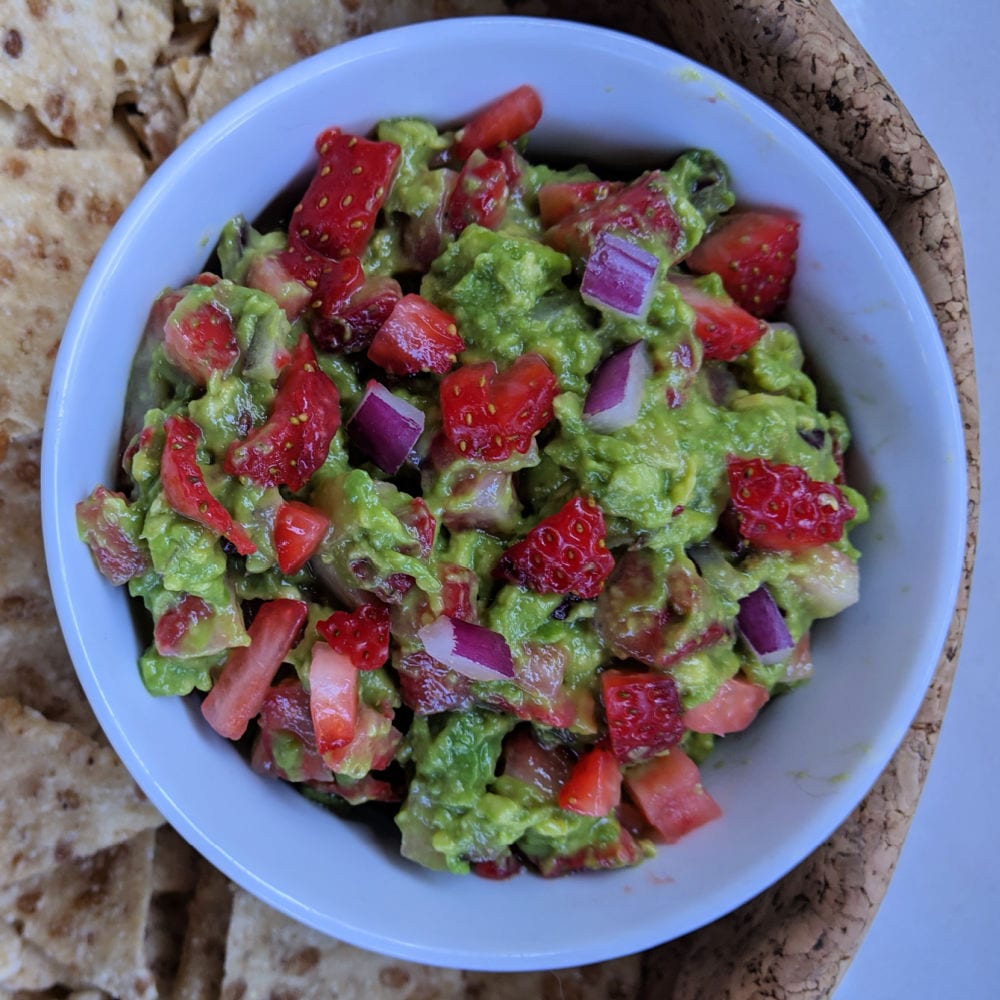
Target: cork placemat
{"type": "Point", "coordinates": [91, 101]}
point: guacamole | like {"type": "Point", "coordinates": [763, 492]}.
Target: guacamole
{"type": "Point", "coordinates": [484, 493]}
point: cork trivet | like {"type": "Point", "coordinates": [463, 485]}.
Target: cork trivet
{"type": "Point", "coordinates": [797, 938]}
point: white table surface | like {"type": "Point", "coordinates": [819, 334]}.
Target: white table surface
{"type": "Point", "coordinates": [936, 934]}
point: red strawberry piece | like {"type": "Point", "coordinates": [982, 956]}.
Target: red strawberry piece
{"type": "Point", "coordinates": [338, 211]}
{"type": "Point", "coordinates": [269, 273]}
{"type": "Point", "coordinates": [298, 531]}
{"type": "Point", "coordinates": [352, 327]}
{"type": "Point", "coordinates": [416, 337]}
{"type": "Point", "coordinates": [558, 199]}
{"type": "Point", "coordinates": [754, 254]}
{"type": "Point", "coordinates": [643, 713]}
{"type": "Point", "coordinates": [563, 554]}
{"type": "Point", "coordinates": [642, 208]}
{"type": "Point", "coordinates": [295, 440]}
{"type": "Point", "coordinates": [480, 195]}
{"type": "Point", "coordinates": [184, 484]}
{"type": "Point", "coordinates": [119, 556]}
{"type": "Point", "coordinates": [594, 786]}
{"type": "Point", "coordinates": [725, 329]}
{"type": "Point", "coordinates": [362, 635]}
{"type": "Point", "coordinates": [489, 415]}
{"type": "Point", "coordinates": [507, 118]}
{"type": "Point", "coordinates": [200, 341]}
{"type": "Point", "coordinates": [780, 507]}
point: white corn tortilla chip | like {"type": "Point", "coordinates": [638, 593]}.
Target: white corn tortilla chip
{"type": "Point", "coordinates": [89, 917]}
{"type": "Point", "coordinates": [62, 795]}
{"type": "Point", "coordinates": [69, 62]}
{"type": "Point", "coordinates": [58, 205]}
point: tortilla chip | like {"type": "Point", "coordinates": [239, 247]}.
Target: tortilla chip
{"type": "Point", "coordinates": [62, 795]}
{"type": "Point", "coordinates": [268, 954]}
{"type": "Point", "coordinates": [160, 112]}
{"type": "Point", "coordinates": [255, 39]}
{"type": "Point", "coordinates": [34, 665]}
{"type": "Point", "coordinates": [69, 62]}
{"type": "Point", "coordinates": [175, 863]}
{"type": "Point", "coordinates": [36, 971]}
{"type": "Point", "coordinates": [89, 916]}
{"type": "Point", "coordinates": [619, 979]}
{"type": "Point", "coordinates": [164, 938]}
{"type": "Point", "coordinates": [58, 207]}
{"type": "Point", "coordinates": [199, 973]}
{"type": "Point", "coordinates": [10, 952]}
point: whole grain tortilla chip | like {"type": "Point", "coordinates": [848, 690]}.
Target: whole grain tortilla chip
{"type": "Point", "coordinates": [268, 954]}
{"type": "Point", "coordinates": [618, 979]}
{"type": "Point", "coordinates": [35, 972]}
{"type": "Point", "coordinates": [58, 205]}
{"type": "Point", "coordinates": [10, 952]}
{"type": "Point", "coordinates": [62, 795]}
{"type": "Point", "coordinates": [175, 863]}
{"type": "Point", "coordinates": [200, 970]}
{"type": "Point", "coordinates": [68, 61]}
{"type": "Point", "coordinates": [34, 665]}
{"type": "Point", "coordinates": [89, 916]}
{"type": "Point", "coordinates": [256, 38]}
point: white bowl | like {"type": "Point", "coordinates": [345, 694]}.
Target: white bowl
{"type": "Point", "coordinates": [798, 773]}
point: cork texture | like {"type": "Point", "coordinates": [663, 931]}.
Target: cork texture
{"type": "Point", "coordinates": [796, 939]}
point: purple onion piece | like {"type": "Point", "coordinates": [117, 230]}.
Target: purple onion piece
{"type": "Point", "coordinates": [763, 627]}
{"type": "Point", "coordinates": [619, 276]}
{"type": "Point", "coordinates": [385, 427]}
{"type": "Point", "coordinates": [615, 394]}
{"type": "Point", "coordinates": [814, 437]}
{"type": "Point", "coordinates": [473, 650]}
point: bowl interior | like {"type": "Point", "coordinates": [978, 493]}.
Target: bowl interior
{"type": "Point", "coordinates": [797, 774]}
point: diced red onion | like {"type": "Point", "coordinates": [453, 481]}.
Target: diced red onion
{"type": "Point", "coordinates": [616, 390]}
{"type": "Point", "coordinates": [619, 276]}
{"type": "Point", "coordinates": [472, 650]}
{"type": "Point", "coordinates": [763, 628]}
{"type": "Point", "coordinates": [385, 427]}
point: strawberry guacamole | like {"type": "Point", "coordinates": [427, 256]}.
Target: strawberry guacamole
{"type": "Point", "coordinates": [484, 493]}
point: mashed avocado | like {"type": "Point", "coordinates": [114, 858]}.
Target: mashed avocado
{"type": "Point", "coordinates": [608, 562]}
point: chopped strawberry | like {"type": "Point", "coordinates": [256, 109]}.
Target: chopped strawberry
{"type": "Point", "coordinates": [642, 208]}
{"type": "Point", "coordinates": [754, 254]}
{"type": "Point", "coordinates": [177, 622]}
{"type": "Point", "coordinates": [669, 792]}
{"type": "Point", "coordinates": [489, 415]}
{"type": "Point", "coordinates": [285, 709]}
{"type": "Point", "coordinates": [298, 530]}
{"type": "Point", "coordinates": [724, 328]}
{"type": "Point", "coordinates": [546, 769]}
{"type": "Point", "coordinates": [621, 853]}
{"type": "Point", "coordinates": [503, 120]}
{"type": "Point", "coordinates": [354, 323]}
{"type": "Point", "coordinates": [594, 786]}
{"type": "Point", "coordinates": [333, 697]}
{"type": "Point", "coordinates": [557, 199]}
{"type": "Point", "coordinates": [295, 440]}
{"type": "Point", "coordinates": [503, 867]}
{"type": "Point", "coordinates": [780, 507]}
{"type": "Point", "coordinates": [239, 692]}
{"type": "Point", "coordinates": [416, 516]}
{"type": "Point", "coordinates": [200, 341]}
{"type": "Point", "coordinates": [362, 635]}
{"type": "Point", "coordinates": [428, 687]}
{"type": "Point", "coordinates": [730, 710]}
{"type": "Point", "coordinates": [643, 712]}
{"type": "Point", "coordinates": [184, 484]}
{"type": "Point", "coordinates": [563, 554]}
{"type": "Point", "coordinates": [270, 273]}
{"type": "Point", "coordinates": [416, 337]}
{"type": "Point", "coordinates": [101, 519]}
{"type": "Point", "coordinates": [480, 194]}
{"type": "Point", "coordinates": [338, 211]}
